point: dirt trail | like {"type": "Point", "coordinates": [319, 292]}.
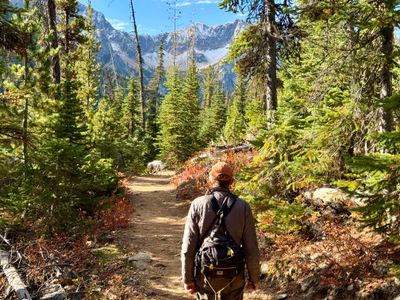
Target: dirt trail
{"type": "Point", "coordinates": [157, 232]}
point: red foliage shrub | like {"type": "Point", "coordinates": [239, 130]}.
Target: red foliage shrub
{"type": "Point", "coordinates": [55, 258]}
{"type": "Point", "coordinates": [192, 181]}
{"type": "Point", "coordinates": [190, 171]}
{"type": "Point", "coordinates": [116, 215]}
{"type": "Point", "coordinates": [239, 160]}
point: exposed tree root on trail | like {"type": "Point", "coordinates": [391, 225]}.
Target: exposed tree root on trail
{"type": "Point", "coordinates": [154, 238]}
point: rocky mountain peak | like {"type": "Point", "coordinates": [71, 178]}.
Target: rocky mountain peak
{"type": "Point", "coordinates": [117, 50]}
{"type": "Point", "coordinates": [117, 47]}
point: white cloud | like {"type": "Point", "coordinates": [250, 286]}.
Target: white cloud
{"type": "Point", "coordinates": [184, 4]}
{"type": "Point", "coordinates": [207, 2]}
{"type": "Point", "coordinates": [119, 24]}
{"type": "Point", "coordinates": [147, 30]}
{"type": "Point", "coordinates": [188, 3]}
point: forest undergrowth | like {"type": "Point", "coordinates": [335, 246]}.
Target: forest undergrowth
{"type": "Point", "coordinates": [82, 265]}
{"type": "Point", "coordinates": [325, 253]}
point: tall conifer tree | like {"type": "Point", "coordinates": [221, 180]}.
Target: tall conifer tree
{"type": "Point", "coordinates": [87, 67]}
{"type": "Point", "coordinates": [213, 117]}
{"type": "Point", "coordinates": [191, 110]}
{"type": "Point", "coordinates": [208, 85]}
{"type": "Point", "coordinates": [259, 46]}
{"type": "Point", "coordinates": [170, 120]}
{"type": "Point", "coordinates": [131, 110]}
{"type": "Point", "coordinates": [153, 105]}
{"type": "Point", "coordinates": [139, 61]}
{"type": "Point", "coordinates": [235, 127]}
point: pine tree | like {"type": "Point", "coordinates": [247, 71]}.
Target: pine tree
{"type": "Point", "coordinates": [259, 46]}
{"type": "Point", "coordinates": [153, 107]}
{"type": "Point", "coordinates": [16, 97]}
{"type": "Point", "coordinates": [75, 176]}
{"type": "Point", "coordinates": [389, 9]}
{"type": "Point", "coordinates": [87, 68]}
{"type": "Point", "coordinates": [209, 79]}
{"type": "Point", "coordinates": [235, 127]}
{"type": "Point", "coordinates": [131, 110]}
{"type": "Point", "coordinates": [170, 120]}
{"type": "Point", "coordinates": [63, 175]}
{"type": "Point", "coordinates": [191, 111]}
{"type": "Point", "coordinates": [329, 114]}
{"type": "Point", "coordinates": [255, 118]}
{"type": "Point", "coordinates": [71, 115]}
{"type": "Point", "coordinates": [116, 132]}
{"type": "Point", "coordinates": [213, 118]}
{"type": "Point", "coordinates": [52, 20]}
{"type": "Point", "coordinates": [139, 61]}
{"type": "Point", "coordinates": [12, 37]}
{"type": "Point", "coordinates": [109, 127]}
{"type": "Point", "coordinates": [179, 117]}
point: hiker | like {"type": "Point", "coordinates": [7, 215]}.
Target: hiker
{"type": "Point", "coordinates": [237, 223]}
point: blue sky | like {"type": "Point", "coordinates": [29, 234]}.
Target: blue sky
{"type": "Point", "coordinates": [154, 16]}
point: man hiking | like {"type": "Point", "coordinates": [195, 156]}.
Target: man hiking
{"type": "Point", "coordinates": [218, 241]}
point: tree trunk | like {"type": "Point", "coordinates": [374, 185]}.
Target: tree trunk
{"type": "Point", "coordinates": [139, 60]}
{"type": "Point", "coordinates": [14, 280]}
{"type": "Point", "coordinates": [26, 114]}
{"type": "Point", "coordinates": [175, 40]}
{"type": "Point", "coordinates": [111, 88]}
{"type": "Point", "coordinates": [160, 70]}
{"type": "Point", "coordinates": [51, 6]}
{"type": "Point", "coordinates": [270, 28]}
{"type": "Point", "coordinates": [67, 31]}
{"type": "Point", "coordinates": [113, 63]}
{"type": "Point", "coordinates": [386, 121]}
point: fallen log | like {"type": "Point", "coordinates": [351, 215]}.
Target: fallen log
{"type": "Point", "coordinates": [12, 277]}
{"type": "Point", "coordinates": [241, 148]}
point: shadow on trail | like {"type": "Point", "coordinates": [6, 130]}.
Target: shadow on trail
{"type": "Point", "coordinates": [161, 295]}
{"type": "Point", "coordinates": [157, 229]}
{"type": "Point", "coordinates": [152, 180]}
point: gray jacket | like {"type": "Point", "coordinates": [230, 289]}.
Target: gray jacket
{"type": "Point", "coordinates": [239, 222]}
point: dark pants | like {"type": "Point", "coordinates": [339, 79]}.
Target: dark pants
{"type": "Point", "coordinates": [234, 290]}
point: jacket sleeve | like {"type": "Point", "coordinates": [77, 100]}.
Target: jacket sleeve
{"type": "Point", "coordinates": [250, 247]}
{"type": "Point", "coordinates": [189, 245]}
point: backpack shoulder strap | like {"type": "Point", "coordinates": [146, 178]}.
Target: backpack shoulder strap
{"type": "Point", "coordinates": [220, 212]}
{"type": "Point", "coordinates": [215, 205]}
{"type": "Point", "coordinates": [231, 200]}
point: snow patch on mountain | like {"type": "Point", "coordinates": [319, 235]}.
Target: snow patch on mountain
{"type": "Point", "coordinates": [211, 45]}
{"type": "Point", "coordinates": [216, 55]}
{"type": "Point", "coordinates": [117, 51]}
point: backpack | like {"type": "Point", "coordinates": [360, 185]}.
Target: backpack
{"type": "Point", "coordinates": [219, 259]}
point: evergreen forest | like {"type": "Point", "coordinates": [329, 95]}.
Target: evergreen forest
{"type": "Point", "coordinates": [316, 100]}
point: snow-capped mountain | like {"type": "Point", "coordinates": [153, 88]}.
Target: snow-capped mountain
{"type": "Point", "coordinates": [118, 49]}
{"type": "Point", "coordinates": [118, 54]}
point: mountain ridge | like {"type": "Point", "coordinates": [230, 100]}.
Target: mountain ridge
{"type": "Point", "coordinates": [212, 42]}
{"type": "Point", "coordinates": [117, 52]}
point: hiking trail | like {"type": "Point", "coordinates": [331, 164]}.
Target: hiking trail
{"type": "Point", "coordinates": [155, 235]}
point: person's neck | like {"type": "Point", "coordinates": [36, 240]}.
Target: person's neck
{"type": "Point", "coordinates": [220, 188]}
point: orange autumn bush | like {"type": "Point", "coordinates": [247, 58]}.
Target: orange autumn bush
{"type": "Point", "coordinates": [117, 215]}
{"type": "Point", "coordinates": [192, 181]}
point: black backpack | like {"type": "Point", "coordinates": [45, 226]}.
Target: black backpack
{"type": "Point", "coordinates": [220, 259]}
